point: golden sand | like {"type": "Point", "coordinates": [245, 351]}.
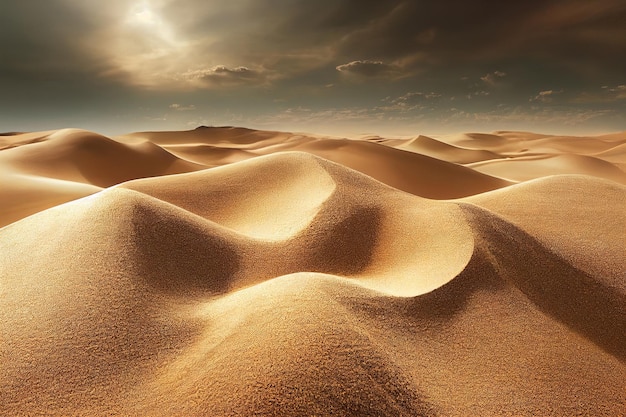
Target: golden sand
{"type": "Point", "coordinates": [234, 272]}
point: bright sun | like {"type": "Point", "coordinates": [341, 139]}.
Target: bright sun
{"type": "Point", "coordinates": [143, 17]}
{"type": "Point", "coordinates": [142, 14]}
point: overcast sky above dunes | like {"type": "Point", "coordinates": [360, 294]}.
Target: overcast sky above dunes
{"type": "Point", "coordinates": [397, 67]}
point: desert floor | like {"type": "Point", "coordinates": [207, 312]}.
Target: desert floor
{"type": "Point", "coordinates": [233, 272]}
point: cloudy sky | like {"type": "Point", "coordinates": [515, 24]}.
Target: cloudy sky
{"type": "Point", "coordinates": [393, 67]}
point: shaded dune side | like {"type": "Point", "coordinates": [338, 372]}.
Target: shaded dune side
{"type": "Point", "coordinates": [582, 302]}
{"type": "Point", "coordinates": [574, 216]}
{"type": "Point", "coordinates": [81, 156]}
{"type": "Point", "coordinates": [479, 346]}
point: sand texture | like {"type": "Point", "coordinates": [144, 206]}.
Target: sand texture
{"type": "Point", "coordinates": [233, 272]}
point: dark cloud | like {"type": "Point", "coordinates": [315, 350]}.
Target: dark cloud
{"type": "Point", "coordinates": [45, 41]}
{"type": "Point", "coordinates": [462, 32]}
{"type": "Point", "coordinates": [92, 54]}
{"type": "Point", "coordinates": [546, 96]}
{"type": "Point", "coordinates": [296, 37]}
{"type": "Point", "coordinates": [492, 77]}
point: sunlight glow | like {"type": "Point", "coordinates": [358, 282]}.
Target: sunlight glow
{"type": "Point", "coordinates": [142, 16]}
{"type": "Point", "coordinates": [145, 46]}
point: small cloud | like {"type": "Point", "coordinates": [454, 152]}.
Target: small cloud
{"type": "Point", "coordinates": [367, 68]}
{"type": "Point", "coordinates": [545, 96]}
{"type": "Point", "coordinates": [535, 115]}
{"type": "Point", "coordinates": [223, 75]}
{"type": "Point", "coordinates": [416, 95]}
{"type": "Point", "coordinates": [620, 91]}
{"type": "Point", "coordinates": [479, 93]}
{"type": "Point", "coordinates": [607, 94]}
{"type": "Point", "coordinates": [492, 77]}
{"type": "Point", "coordinates": [410, 101]}
{"type": "Point", "coordinates": [181, 107]}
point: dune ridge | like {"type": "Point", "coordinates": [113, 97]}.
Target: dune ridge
{"type": "Point", "coordinates": [284, 274]}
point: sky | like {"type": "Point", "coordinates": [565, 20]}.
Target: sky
{"type": "Point", "coordinates": [343, 67]}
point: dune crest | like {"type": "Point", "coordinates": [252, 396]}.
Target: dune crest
{"type": "Point", "coordinates": [229, 271]}
{"type": "Point", "coordinates": [261, 198]}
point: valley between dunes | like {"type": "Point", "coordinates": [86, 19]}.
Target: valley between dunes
{"type": "Point", "coordinates": [226, 271]}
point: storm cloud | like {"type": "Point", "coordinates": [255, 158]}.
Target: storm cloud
{"type": "Point", "coordinates": [278, 54]}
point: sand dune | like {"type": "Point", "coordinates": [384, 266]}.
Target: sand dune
{"type": "Point", "coordinates": [15, 139]}
{"type": "Point", "coordinates": [615, 155]}
{"type": "Point", "coordinates": [81, 156]}
{"type": "Point", "coordinates": [407, 171]}
{"type": "Point", "coordinates": [532, 167]}
{"type": "Point", "coordinates": [23, 195]}
{"type": "Point", "coordinates": [230, 137]}
{"type": "Point", "coordinates": [525, 142]}
{"type": "Point", "coordinates": [227, 271]}
{"type": "Point", "coordinates": [42, 169]}
{"type": "Point", "coordinates": [572, 221]}
{"type": "Point", "coordinates": [441, 150]}
{"type": "Point", "coordinates": [411, 172]}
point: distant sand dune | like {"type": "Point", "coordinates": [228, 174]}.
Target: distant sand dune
{"type": "Point", "coordinates": [23, 195]}
{"type": "Point", "coordinates": [81, 156]}
{"type": "Point", "coordinates": [512, 143]}
{"type": "Point", "coordinates": [615, 155]}
{"type": "Point", "coordinates": [229, 137]}
{"type": "Point", "coordinates": [407, 171]}
{"type": "Point", "coordinates": [441, 150]}
{"type": "Point", "coordinates": [531, 167]}
{"type": "Point", "coordinates": [228, 271]}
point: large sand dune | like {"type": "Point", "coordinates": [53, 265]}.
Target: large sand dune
{"type": "Point", "coordinates": [228, 271]}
